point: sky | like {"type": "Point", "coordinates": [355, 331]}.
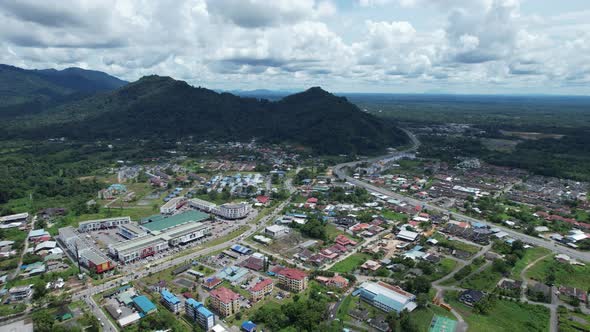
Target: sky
{"type": "Point", "coordinates": [385, 46]}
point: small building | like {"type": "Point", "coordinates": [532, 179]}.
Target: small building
{"type": "Point", "coordinates": [248, 326]}
{"type": "Point", "coordinates": [470, 297]}
{"type": "Point", "coordinates": [407, 235]}
{"type": "Point", "coordinates": [276, 230]}
{"type": "Point", "coordinates": [20, 293]}
{"type": "Point", "coordinates": [225, 301]}
{"type": "Point", "coordinates": [144, 305]}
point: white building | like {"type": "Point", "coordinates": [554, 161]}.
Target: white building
{"type": "Point", "coordinates": [227, 211]}
{"type": "Point", "coordinates": [172, 205]}
{"type": "Point", "coordinates": [407, 235]}
{"type": "Point", "coordinates": [93, 225]}
{"type": "Point", "coordinates": [276, 230]}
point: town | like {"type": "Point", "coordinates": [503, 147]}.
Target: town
{"type": "Point", "coordinates": [229, 244]}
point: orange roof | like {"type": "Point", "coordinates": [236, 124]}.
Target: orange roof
{"type": "Point", "coordinates": [260, 286]}
{"type": "Point", "coordinates": [292, 273]}
{"type": "Point", "coordinates": [225, 295]}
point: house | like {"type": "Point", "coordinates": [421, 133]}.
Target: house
{"type": "Point", "coordinates": [510, 284]}
{"type": "Point", "coordinates": [312, 200]}
{"type": "Point", "coordinates": [39, 235]}
{"type": "Point", "coordinates": [263, 199]}
{"type": "Point", "coordinates": [470, 297]}
{"type": "Point", "coordinates": [344, 241]}
{"type": "Point", "coordinates": [293, 280]}
{"type": "Point", "coordinates": [20, 293]}
{"type": "Point", "coordinates": [248, 326]}
{"type": "Point", "coordinates": [371, 265]}
{"type": "Point", "coordinates": [336, 281]}
{"type": "Point", "coordinates": [260, 289]}
{"type": "Point", "coordinates": [407, 235]}
{"type": "Point", "coordinates": [574, 293]}
{"type": "Point", "coordinates": [253, 263]}
{"type": "Point", "coordinates": [225, 301]}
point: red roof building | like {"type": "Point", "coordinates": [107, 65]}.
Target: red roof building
{"type": "Point", "coordinates": [260, 289]}
{"type": "Point", "coordinates": [292, 279]}
{"type": "Point", "coordinates": [225, 301]}
{"type": "Point", "coordinates": [262, 199]}
{"type": "Point", "coordinates": [344, 241]}
{"type": "Point", "coordinates": [312, 200]}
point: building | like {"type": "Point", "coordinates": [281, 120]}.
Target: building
{"type": "Point", "coordinates": [144, 305]}
{"type": "Point", "coordinates": [20, 293]}
{"type": "Point", "coordinates": [337, 281]}
{"type": "Point", "coordinates": [139, 248]}
{"type": "Point", "coordinates": [470, 297]}
{"type": "Point", "coordinates": [15, 218]}
{"type": "Point", "coordinates": [198, 313]}
{"type": "Point", "coordinates": [386, 297]}
{"type": "Point", "coordinates": [276, 230]}
{"type": "Point", "coordinates": [293, 280]}
{"type": "Point", "coordinates": [131, 231]}
{"type": "Point", "coordinates": [157, 223]}
{"type": "Point", "coordinates": [170, 301]}
{"type": "Point", "coordinates": [186, 233]}
{"type": "Point", "coordinates": [93, 225]}
{"type": "Point", "coordinates": [227, 211]}
{"type": "Point", "coordinates": [173, 205]}
{"type": "Point", "coordinates": [87, 254]}
{"type": "Point", "coordinates": [225, 301]}
{"type": "Point", "coordinates": [260, 289]}
{"type": "Point", "coordinates": [234, 211]}
{"type": "Point", "coordinates": [39, 235]}
{"type": "Point", "coordinates": [407, 235]}
{"type": "Point", "coordinates": [248, 326]}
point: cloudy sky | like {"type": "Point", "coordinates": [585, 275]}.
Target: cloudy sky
{"type": "Point", "coordinates": [399, 46]}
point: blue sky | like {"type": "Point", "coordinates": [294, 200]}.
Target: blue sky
{"type": "Point", "coordinates": [397, 46]}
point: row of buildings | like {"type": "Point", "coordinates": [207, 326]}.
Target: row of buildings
{"type": "Point", "coordinates": [227, 211]}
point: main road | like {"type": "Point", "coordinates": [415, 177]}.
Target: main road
{"type": "Point", "coordinates": [340, 171]}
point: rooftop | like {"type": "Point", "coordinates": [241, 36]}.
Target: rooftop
{"type": "Point", "coordinates": [292, 273]}
{"type": "Point", "coordinates": [224, 295]}
{"type": "Point", "coordinates": [160, 223]}
{"type": "Point", "coordinates": [169, 297]}
{"type": "Point", "coordinates": [144, 304]}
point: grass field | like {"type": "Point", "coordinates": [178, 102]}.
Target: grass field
{"type": "Point", "coordinates": [454, 244]}
{"type": "Point", "coordinates": [444, 267]}
{"type": "Point", "coordinates": [350, 263]}
{"type": "Point", "coordinates": [392, 215]}
{"type": "Point", "coordinates": [485, 280]}
{"type": "Point", "coordinates": [572, 322]}
{"type": "Point", "coordinates": [530, 255]}
{"type": "Point", "coordinates": [423, 316]}
{"type": "Point", "coordinates": [565, 274]}
{"type": "Point", "coordinates": [505, 316]}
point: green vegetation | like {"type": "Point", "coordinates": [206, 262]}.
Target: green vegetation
{"type": "Point", "coordinates": [395, 216]}
{"type": "Point", "coordinates": [572, 321]}
{"type": "Point", "coordinates": [455, 244]}
{"type": "Point", "coordinates": [530, 255]}
{"type": "Point", "coordinates": [484, 280]}
{"type": "Point", "coordinates": [551, 271]}
{"type": "Point", "coordinates": [423, 316]}
{"type": "Point", "coordinates": [350, 263]}
{"type": "Point", "coordinates": [503, 315]}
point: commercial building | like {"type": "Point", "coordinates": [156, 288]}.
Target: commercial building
{"type": "Point", "coordinates": [198, 313]}
{"type": "Point", "coordinates": [87, 254]}
{"type": "Point", "coordinates": [158, 223]}
{"type": "Point", "coordinates": [293, 280]}
{"type": "Point", "coordinates": [186, 233]}
{"type": "Point", "coordinates": [93, 225]}
{"type": "Point", "coordinates": [225, 301]}
{"type": "Point", "coordinates": [276, 230]}
{"type": "Point", "coordinates": [170, 301]}
{"type": "Point", "coordinates": [131, 231]}
{"type": "Point", "coordinates": [144, 305]}
{"type": "Point", "coordinates": [407, 235]}
{"type": "Point", "coordinates": [227, 211]}
{"type": "Point", "coordinates": [260, 289]}
{"type": "Point", "coordinates": [386, 297]}
{"type": "Point", "coordinates": [173, 205]}
{"type": "Point", "coordinates": [135, 249]}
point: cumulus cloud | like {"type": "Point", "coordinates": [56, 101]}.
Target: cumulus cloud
{"type": "Point", "coordinates": [255, 43]}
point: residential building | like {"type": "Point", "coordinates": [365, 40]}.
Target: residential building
{"type": "Point", "coordinates": [225, 301]}
{"type": "Point", "coordinates": [386, 297]}
{"type": "Point", "coordinates": [293, 280]}
{"type": "Point", "coordinates": [260, 289]}
{"type": "Point", "coordinates": [20, 293]}
{"type": "Point", "coordinates": [198, 313]}
{"type": "Point", "coordinates": [93, 225]}
{"type": "Point", "coordinates": [170, 301]}
{"type": "Point", "coordinates": [470, 297]}
{"type": "Point", "coordinates": [337, 281]}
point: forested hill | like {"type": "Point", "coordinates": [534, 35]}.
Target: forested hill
{"type": "Point", "coordinates": [161, 107]}
{"type": "Point", "coordinates": [25, 91]}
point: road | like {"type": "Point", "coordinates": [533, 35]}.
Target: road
{"type": "Point", "coordinates": [340, 172]}
{"type": "Point", "coordinates": [20, 261]}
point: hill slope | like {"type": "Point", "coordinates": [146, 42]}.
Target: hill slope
{"type": "Point", "coordinates": [160, 107]}
{"type": "Point", "coordinates": [29, 91]}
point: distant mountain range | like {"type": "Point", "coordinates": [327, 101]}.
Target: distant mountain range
{"type": "Point", "coordinates": [29, 91]}
{"type": "Point", "coordinates": [156, 107]}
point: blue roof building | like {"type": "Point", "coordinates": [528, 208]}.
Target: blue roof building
{"type": "Point", "coordinates": [144, 305]}
{"type": "Point", "coordinates": [197, 311]}
{"type": "Point", "coordinates": [248, 326]}
{"type": "Point", "coordinates": [170, 301]}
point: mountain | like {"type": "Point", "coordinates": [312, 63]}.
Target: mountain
{"type": "Point", "coordinates": [161, 107]}
{"type": "Point", "coordinates": [29, 91]}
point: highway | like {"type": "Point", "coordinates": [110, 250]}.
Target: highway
{"type": "Point", "coordinates": [536, 241]}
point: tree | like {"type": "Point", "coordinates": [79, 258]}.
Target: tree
{"type": "Point", "coordinates": [422, 300]}
{"type": "Point", "coordinates": [43, 321]}
{"type": "Point", "coordinates": [39, 290]}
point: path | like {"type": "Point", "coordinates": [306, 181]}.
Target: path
{"type": "Point", "coordinates": [20, 261]}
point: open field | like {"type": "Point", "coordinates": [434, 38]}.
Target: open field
{"type": "Point", "coordinates": [455, 244]}
{"type": "Point", "coordinates": [423, 316]}
{"type": "Point", "coordinates": [530, 255]}
{"type": "Point", "coordinates": [485, 280]}
{"type": "Point", "coordinates": [504, 316]}
{"type": "Point", "coordinates": [350, 263]}
{"type": "Point", "coordinates": [565, 274]}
